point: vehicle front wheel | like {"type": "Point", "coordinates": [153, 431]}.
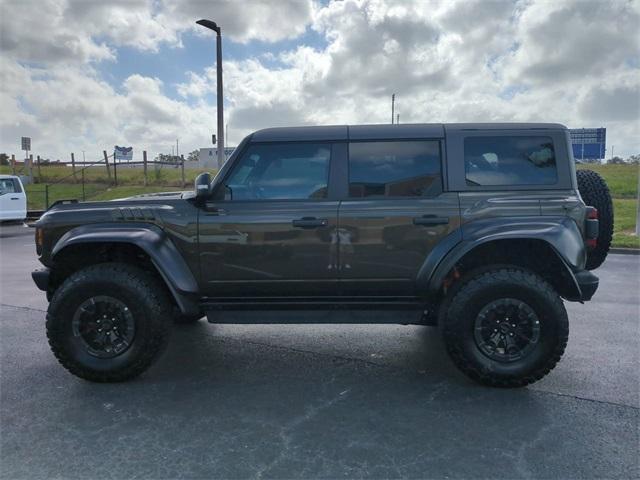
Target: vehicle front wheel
{"type": "Point", "coordinates": [109, 322]}
{"type": "Point", "coordinates": [504, 327]}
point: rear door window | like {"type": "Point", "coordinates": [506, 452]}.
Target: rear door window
{"type": "Point", "coordinates": [394, 169]}
{"type": "Point", "coordinates": [509, 160]}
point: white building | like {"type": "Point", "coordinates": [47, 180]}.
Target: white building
{"type": "Point", "coordinates": [208, 157]}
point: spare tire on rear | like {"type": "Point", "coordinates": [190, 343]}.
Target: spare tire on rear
{"type": "Point", "coordinates": [595, 193]}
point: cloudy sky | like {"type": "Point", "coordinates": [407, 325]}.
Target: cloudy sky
{"type": "Point", "coordinates": [87, 74]}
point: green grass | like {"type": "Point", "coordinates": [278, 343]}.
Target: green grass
{"type": "Point", "coordinates": [625, 223]}
{"type": "Point", "coordinates": [623, 185]}
{"type": "Point", "coordinates": [167, 175]}
{"type": "Point", "coordinates": [36, 193]}
{"type": "Point", "coordinates": [622, 179]}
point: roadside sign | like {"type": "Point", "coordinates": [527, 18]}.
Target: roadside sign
{"type": "Point", "coordinates": [588, 143]}
{"type": "Point", "coordinates": [123, 153]}
{"type": "Point", "coordinates": [26, 144]}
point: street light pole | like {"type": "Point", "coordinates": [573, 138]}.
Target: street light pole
{"type": "Point", "coordinates": [213, 26]}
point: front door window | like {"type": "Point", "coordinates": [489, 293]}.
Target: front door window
{"type": "Point", "coordinates": [281, 172]}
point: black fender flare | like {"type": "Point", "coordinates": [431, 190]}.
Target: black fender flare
{"type": "Point", "coordinates": [154, 242]}
{"type": "Point", "coordinates": [560, 233]}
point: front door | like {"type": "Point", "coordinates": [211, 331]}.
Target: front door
{"type": "Point", "coordinates": [13, 203]}
{"type": "Point", "coordinates": [271, 236]}
{"type": "Point", "coordinates": [395, 214]}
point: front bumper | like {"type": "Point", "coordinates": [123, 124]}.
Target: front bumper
{"type": "Point", "coordinates": [588, 284]}
{"type": "Point", "coordinates": [41, 278]}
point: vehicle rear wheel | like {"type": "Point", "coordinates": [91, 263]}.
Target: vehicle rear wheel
{"type": "Point", "coordinates": [595, 193]}
{"type": "Point", "coordinates": [109, 322]}
{"type": "Point", "coordinates": [504, 327]}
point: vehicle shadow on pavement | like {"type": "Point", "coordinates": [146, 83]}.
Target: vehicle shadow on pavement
{"type": "Point", "coordinates": [230, 401]}
{"type": "Point", "coordinates": [10, 229]}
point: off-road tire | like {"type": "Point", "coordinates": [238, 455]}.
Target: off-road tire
{"type": "Point", "coordinates": [595, 193]}
{"type": "Point", "coordinates": [478, 289]}
{"type": "Point", "coordinates": [148, 303]}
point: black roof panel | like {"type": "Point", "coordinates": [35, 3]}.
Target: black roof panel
{"type": "Point", "coordinates": [385, 131]}
{"type": "Point", "coordinates": [402, 131]}
{"type": "Point", "coordinates": [504, 126]}
{"type": "Point", "coordinates": [284, 134]}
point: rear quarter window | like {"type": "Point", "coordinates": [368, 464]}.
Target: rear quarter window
{"type": "Point", "coordinates": [509, 160]}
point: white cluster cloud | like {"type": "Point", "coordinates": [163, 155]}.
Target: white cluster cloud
{"type": "Point", "coordinates": [576, 62]}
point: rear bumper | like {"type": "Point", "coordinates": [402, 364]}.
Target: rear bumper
{"type": "Point", "coordinates": [588, 284]}
{"type": "Point", "coordinates": [41, 278]}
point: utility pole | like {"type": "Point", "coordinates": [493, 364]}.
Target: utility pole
{"type": "Point", "coordinates": [397, 119]}
{"type": "Point", "coordinates": [393, 106]}
{"type": "Point", "coordinates": [73, 168]}
{"type": "Point", "coordinates": [214, 26]}
{"type": "Point", "coordinates": [638, 207]}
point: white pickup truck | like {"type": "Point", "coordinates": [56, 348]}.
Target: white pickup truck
{"type": "Point", "coordinates": [13, 199]}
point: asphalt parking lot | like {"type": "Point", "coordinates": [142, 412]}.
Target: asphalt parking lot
{"type": "Point", "coordinates": [270, 401]}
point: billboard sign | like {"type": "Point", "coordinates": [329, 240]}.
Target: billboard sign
{"type": "Point", "coordinates": [588, 143]}
{"type": "Point", "coordinates": [26, 144]}
{"type": "Point", "coordinates": [123, 153]}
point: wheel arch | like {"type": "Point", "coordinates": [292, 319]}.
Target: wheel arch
{"type": "Point", "coordinates": [550, 246]}
{"type": "Point", "coordinates": [98, 243]}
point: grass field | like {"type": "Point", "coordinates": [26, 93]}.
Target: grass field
{"type": "Point", "coordinates": [166, 175]}
{"type": "Point", "coordinates": [93, 191]}
{"type": "Point", "coordinates": [623, 184]}
{"type": "Point", "coordinates": [622, 181]}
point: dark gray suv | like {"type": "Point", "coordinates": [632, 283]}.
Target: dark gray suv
{"type": "Point", "coordinates": [477, 228]}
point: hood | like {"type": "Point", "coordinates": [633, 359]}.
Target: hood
{"type": "Point", "coordinates": [157, 196]}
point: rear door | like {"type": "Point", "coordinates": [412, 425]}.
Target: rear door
{"type": "Point", "coordinates": [395, 213]}
{"type": "Point", "coordinates": [13, 201]}
{"type": "Point", "coordinates": [272, 234]}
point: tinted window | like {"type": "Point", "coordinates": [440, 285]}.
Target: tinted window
{"type": "Point", "coordinates": [394, 169]}
{"type": "Point", "coordinates": [284, 171]}
{"type": "Point", "coordinates": [509, 161]}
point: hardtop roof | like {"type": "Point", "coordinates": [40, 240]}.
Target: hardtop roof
{"type": "Point", "coordinates": [404, 131]}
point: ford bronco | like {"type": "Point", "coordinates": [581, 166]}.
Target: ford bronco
{"type": "Point", "coordinates": [480, 229]}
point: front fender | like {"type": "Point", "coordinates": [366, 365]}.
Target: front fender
{"type": "Point", "coordinates": [153, 241]}
{"type": "Point", "coordinates": [560, 233]}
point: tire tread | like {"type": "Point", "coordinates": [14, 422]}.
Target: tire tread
{"type": "Point", "coordinates": [595, 192]}
{"type": "Point", "coordinates": [153, 296]}
{"type": "Point", "coordinates": [462, 296]}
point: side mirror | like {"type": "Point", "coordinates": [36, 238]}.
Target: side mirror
{"type": "Point", "coordinates": [203, 185]}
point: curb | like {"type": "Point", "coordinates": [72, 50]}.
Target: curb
{"type": "Point", "coordinates": [625, 251]}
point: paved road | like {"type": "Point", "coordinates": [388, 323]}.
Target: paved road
{"type": "Point", "coordinates": [319, 401]}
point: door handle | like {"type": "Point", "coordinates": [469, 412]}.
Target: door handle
{"type": "Point", "coordinates": [15, 198]}
{"type": "Point", "coordinates": [430, 220]}
{"type": "Point", "coordinates": [214, 211]}
{"type": "Point", "coordinates": [310, 222]}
